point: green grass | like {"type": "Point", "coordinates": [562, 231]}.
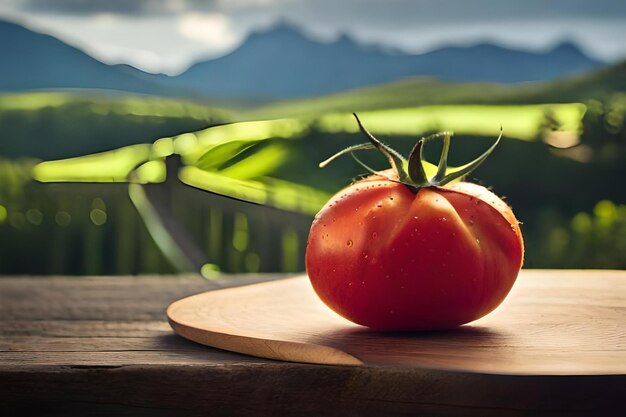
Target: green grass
{"type": "Point", "coordinates": [405, 93]}
{"type": "Point", "coordinates": [524, 122]}
{"type": "Point", "coordinates": [105, 103]}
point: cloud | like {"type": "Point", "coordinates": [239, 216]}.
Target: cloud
{"type": "Point", "coordinates": [118, 7]}
{"type": "Point", "coordinates": [394, 13]}
{"type": "Point", "coordinates": [344, 13]}
{"type": "Point", "coordinates": [211, 29]}
{"type": "Point", "coordinates": [139, 7]}
{"type": "Point", "coordinates": [86, 6]}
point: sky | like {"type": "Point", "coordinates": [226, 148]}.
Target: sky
{"type": "Point", "coordinates": [169, 35]}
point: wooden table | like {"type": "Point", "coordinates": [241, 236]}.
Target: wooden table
{"type": "Point", "coordinates": [102, 346]}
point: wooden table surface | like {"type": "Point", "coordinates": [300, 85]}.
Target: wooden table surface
{"type": "Point", "coordinates": [102, 346]}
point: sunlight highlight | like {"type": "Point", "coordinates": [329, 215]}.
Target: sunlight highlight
{"type": "Point", "coordinates": [212, 29]}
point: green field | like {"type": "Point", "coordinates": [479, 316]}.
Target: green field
{"type": "Point", "coordinates": [52, 125]}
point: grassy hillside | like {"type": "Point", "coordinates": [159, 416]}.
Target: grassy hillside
{"type": "Point", "coordinates": [51, 125]}
{"type": "Point", "coordinates": [422, 91]}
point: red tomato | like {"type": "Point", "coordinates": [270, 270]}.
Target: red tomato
{"type": "Point", "coordinates": [387, 256]}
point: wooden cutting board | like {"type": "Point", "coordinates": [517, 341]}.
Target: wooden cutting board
{"type": "Point", "coordinates": [552, 323]}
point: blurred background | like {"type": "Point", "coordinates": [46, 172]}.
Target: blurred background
{"type": "Point", "coordinates": [161, 136]}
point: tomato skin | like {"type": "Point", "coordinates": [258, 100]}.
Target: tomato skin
{"type": "Point", "coordinates": [385, 257]}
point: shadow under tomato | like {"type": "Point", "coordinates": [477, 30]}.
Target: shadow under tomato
{"type": "Point", "coordinates": [427, 348]}
{"type": "Point", "coordinates": [460, 331]}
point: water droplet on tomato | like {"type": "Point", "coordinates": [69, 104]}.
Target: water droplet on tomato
{"type": "Point", "coordinates": [374, 235]}
{"type": "Point", "coordinates": [478, 241]}
{"type": "Point", "coordinates": [471, 222]}
{"type": "Point", "coordinates": [443, 219]}
{"type": "Point", "coordinates": [349, 243]}
{"type": "Point", "coordinates": [415, 217]}
{"type": "Point", "coordinates": [477, 202]}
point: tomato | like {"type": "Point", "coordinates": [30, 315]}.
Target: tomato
{"type": "Point", "coordinates": [389, 255]}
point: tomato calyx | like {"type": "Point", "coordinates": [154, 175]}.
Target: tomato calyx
{"type": "Point", "coordinates": [415, 172]}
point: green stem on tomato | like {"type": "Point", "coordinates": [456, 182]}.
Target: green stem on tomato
{"type": "Point", "coordinates": [412, 171]}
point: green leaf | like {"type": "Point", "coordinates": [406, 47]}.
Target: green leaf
{"type": "Point", "coordinates": [267, 191]}
{"type": "Point", "coordinates": [396, 160]}
{"type": "Point", "coordinates": [457, 172]}
{"type": "Point", "coordinates": [219, 154]}
{"type": "Point", "coordinates": [443, 160]}
{"type": "Point", "coordinates": [364, 165]}
{"type": "Point", "coordinates": [415, 167]}
{"type": "Point", "coordinates": [419, 169]}
{"type": "Point", "coordinates": [349, 149]}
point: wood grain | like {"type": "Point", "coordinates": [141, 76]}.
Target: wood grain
{"type": "Point", "coordinates": [101, 346]}
{"type": "Point", "coordinates": [552, 323]}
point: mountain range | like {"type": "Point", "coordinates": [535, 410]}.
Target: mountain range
{"type": "Point", "coordinates": [277, 63]}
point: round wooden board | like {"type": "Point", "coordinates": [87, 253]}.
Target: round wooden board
{"type": "Point", "coordinates": [552, 323]}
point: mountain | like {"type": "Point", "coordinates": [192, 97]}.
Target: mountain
{"type": "Point", "coordinates": [33, 60]}
{"type": "Point", "coordinates": [278, 63]}
{"type": "Point", "coordinates": [283, 63]}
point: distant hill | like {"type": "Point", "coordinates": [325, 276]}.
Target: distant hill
{"type": "Point", "coordinates": [283, 63]}
{"type": "Point", "coordinates": [279, 63]}
{"type": "Point", "coordinates": [418, 91]}
{"type": "Point", "coordinates": [31, 60]}
{"type": "Point", "coordinates": [600, 84]}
